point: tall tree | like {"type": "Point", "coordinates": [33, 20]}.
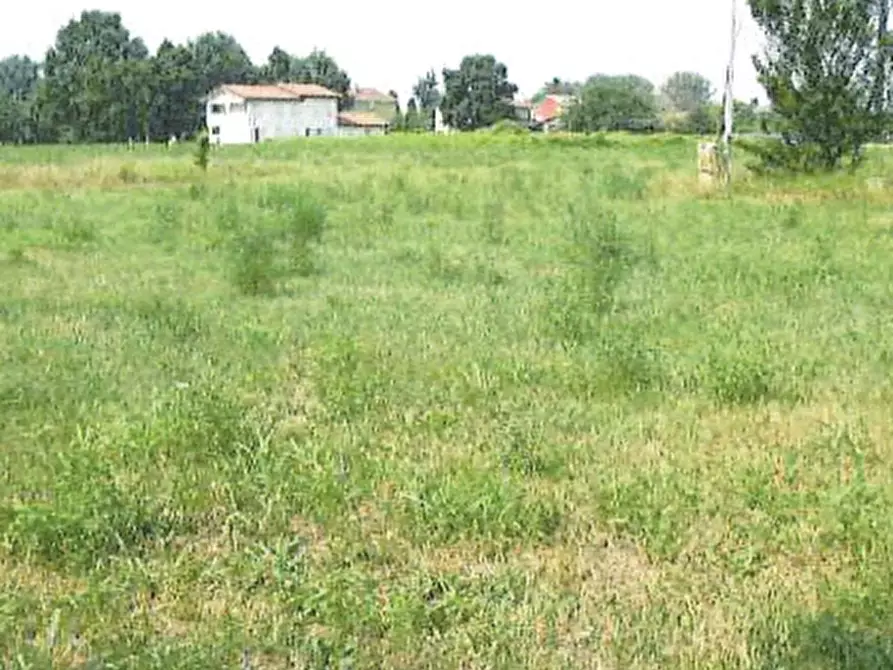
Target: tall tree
{"type": "Point", "coordinates": [18, 85]}
{"type": "Point", "coordinates": [280, 66]}
{"type": "Point", "coordinates": [18, 76]}
{"type": "Point", "coordinates": [824, 69]}
{"type": "Point", "coordinates": [478, 94]}
{"type": "Point", "coordinates": [85, 93]}
{"type": "Point", "coordinates": [687, 92]}
{"type": "Point", "coordinates": [557, 86]}
{"type": "Point", "coordinates": [175, 107]}
{"type": "Point", "coordinates": [220, 59]}
{"type": "Point", "coordinates": [427, 96]}
{"type": "Point", "coordinates": [411, 119]}
{"type": "Point", "coordinates": [320, 68]}
{"type": "Point", "coordinates": [608, 102]}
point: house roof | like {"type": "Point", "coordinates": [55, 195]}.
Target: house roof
{"type": "Point", "coordinates": [361, 120]}
{"type": "Point", "coordinates": [283, 91]}
{"type": "Point", "coordinates": [371, 95]}
{"type": "Point", "coordinates": [310, 90]}
{"type": "Point", "coordinates": [551, 108]}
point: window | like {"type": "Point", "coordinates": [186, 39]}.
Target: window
{"type": "Point", "coordinates": [237, 107]}
{"type": "Point", "coordinates": [218, 109]}
{"type": "Point", "coordinates": [215, 130]}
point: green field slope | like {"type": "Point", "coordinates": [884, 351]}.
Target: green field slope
{"type": "Point", "coordinates": [458, 402]}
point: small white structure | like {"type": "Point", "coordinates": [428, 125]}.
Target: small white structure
{"type": "Point", "coordinates": [244, 114]}
{"type": "Point", "coordinates": [440, 127]}
{"type": "Point", "coordinates": [353, 123]}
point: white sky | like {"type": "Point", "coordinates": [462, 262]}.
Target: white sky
{"type": "Point", "coordinates": [388, 45]}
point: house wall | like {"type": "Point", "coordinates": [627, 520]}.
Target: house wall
{"type": "Point", "coordinates": [237, 119]}
{"type": "Point", "coordinates": [224, 115]}
{"type": "Point", "coordinates": [290, 118]}
{"type": "Point", "coordinates": [355, 131]}
{"type": "Point", "coordinates": [385, 109]}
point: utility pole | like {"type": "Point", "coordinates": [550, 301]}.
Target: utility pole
{"type": "Point", "coordinates": [879, 94]}
{"type": "Point", "coordinates": [729, 99]}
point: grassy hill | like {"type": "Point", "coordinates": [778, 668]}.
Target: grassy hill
{"type": "Point", "coordinates": [477, 401]}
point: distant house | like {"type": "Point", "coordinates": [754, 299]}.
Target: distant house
{"type": "Point", "coordinates": [523, 111]}
{"type": "Point", "coordinates": [374, 101]}
{"type": "Point", "coordinates": [244, 114]}
{"type": "Point", "coordinates": [361, 123]}
{"type": "Point", "coordinates": [547, 115]}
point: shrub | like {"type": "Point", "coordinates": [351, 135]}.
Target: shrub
{"type": "Point", "coordinates": [203, 150]}
{"type": "Point", "coordinates": [278, 241]}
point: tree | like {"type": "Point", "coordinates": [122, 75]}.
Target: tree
{"type": "Point", "coordinates": [427, 97]}
{"type": "Point", "coordinates": [18, 85]}
{"type": "Point", "coordinates": [746, 115]}
{"type": "Point", "coordinates": [411, 119]}
{"type": "Point", "coordinates": [824, 70]}
{"type": "Point", "coordinates": [280, 66]}
{"type": "Point", "coordinates": [86, 93]}
{"type": "Point", "coordinates": [18, 76]}
{"type": "Point", "coordinates": [557, 86]}
{"type": "Point", "coordinates": [320, 68]}
{"type": "Point", "coordinates": [607, 102]}
{"type": "Point", "coordinates": [478, 94]}
{"type": "Point", "coordinates": [316, 68]}
{"type": "Point", "coordinates": [687, 92]}
{"type": "Point", "coordinates": [220, 59]}
{"type": "Point", "coordinates": [175, 107]}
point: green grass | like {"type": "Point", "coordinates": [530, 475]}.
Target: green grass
{"type": "Point", "coordinates": [405, 402]}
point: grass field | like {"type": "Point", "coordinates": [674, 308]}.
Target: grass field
{"type": "Point", "coordinates": [443, 402]}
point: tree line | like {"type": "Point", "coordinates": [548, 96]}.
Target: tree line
{"type": "Point", "coordinates": [98, 83]}
{"type": "Point", "coordinates": [479, 94]}
{"type": "Point", "coordinates": [826, 72]}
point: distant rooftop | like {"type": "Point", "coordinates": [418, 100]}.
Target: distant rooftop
{"type": "Point", "coordinates": [361, 120]}
{"type": "Point", "coordinates": [371, 95]}
{"type": "Point", "coordinates": [281, 91]}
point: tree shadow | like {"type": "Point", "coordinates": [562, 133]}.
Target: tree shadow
{"type": "Point", "coordinates": [826, 642]}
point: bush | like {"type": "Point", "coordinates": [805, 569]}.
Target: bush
{"type": "Point", "coordinates": [202, 150]}
{"type": "Point", "coordinates": [598, 257]}
{"type": "Point", "coordinates": [278, 242]}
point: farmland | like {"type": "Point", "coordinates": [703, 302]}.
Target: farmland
{"type": "Point", "coordinates": [477, 401]}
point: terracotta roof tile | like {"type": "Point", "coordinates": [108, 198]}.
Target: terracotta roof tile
{"type": "Point", "coordinates": [310, 90]}
{"type": "Point", "coordinates": [551, 108]}
{"type": "Point", "coordinates": [361, 120]}
{"type": "Point", "coordinates": [279, 91]}
{"type": "Point", "coordinates": [371, 95]}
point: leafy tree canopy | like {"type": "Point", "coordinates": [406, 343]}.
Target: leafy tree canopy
{"type": "Point", "coordinates": [825, 71]}
{"type": "Point", "coordinates": [478, 94]}
{"type": "Point", "coordinates": [614, 102]}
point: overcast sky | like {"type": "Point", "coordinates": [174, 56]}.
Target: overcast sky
{"type": "Point", "coordinates": [388, 45]}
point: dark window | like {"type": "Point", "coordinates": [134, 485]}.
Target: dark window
{"type": "Point", "coordinates": [218, 109]}
{"type": "Point", "coordinates": [215, 130]}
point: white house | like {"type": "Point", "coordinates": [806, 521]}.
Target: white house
{"type": "Point", "coordinates": [243, 113]}
{"type": "Point", "coordinates": [361, 123]}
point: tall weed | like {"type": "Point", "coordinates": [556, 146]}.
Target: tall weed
{"type": "Point", "coordinates": [598, 257]}
{"type": "Point", "coordinates": [276, 240]}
